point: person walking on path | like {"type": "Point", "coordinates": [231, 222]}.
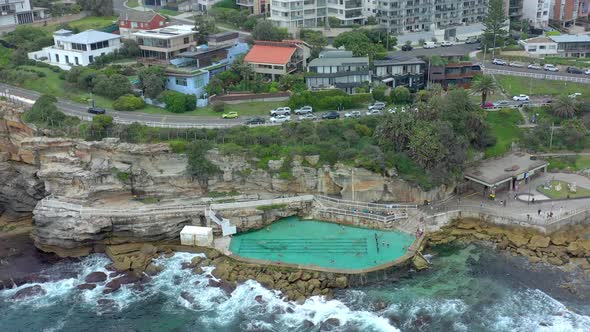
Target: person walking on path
{"type": "Point", "coordinates": [539, 212]}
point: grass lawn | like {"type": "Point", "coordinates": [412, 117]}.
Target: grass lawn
{"type": "Point", "coordinates": [543, 113]}
{"type": "Point", "coordinates": [244, 110]}
{"type": "Point", "coordinates": [5, 56]}
{"type": "Point", "coordinates": [50, 84]}
{"type": "Point", "coordinates": [504, 127]}
{"type": "Point", "coordinates": [132, 3]}
{"type": "Point", "coordinates": [515, 85]}
{"type": "Point", "coordinates": [168, 12]}
{"type": "Point", "coordinates": [86, 23]}
{"type": "Point", "coordinates": [574, 163]}
{"type": "Point", "coordinates": [564, 192]}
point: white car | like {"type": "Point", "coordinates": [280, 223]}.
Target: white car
{"type": "Point", "coordinates": [534, 66]}
{"type": "Point", "coordinates": [516, 64]}
{"type": "Point", "coordinates": [430, 45]}
{"type": "Point", "coordinates": [499, 62]}
{"type": "Point", "coordinates": [304, 110]}
{"type": "Point", "coordinates": [550, 67]}
{"type": "Point", "coordinates": [446, 43]}
{"type": "Point", "coordinates": [374, 112]}
{"type": "Point", "coordinates": [587, 71]}
{"type": "Point", "coordinates": [307, 116]}
{"type": "Point", "coordinates": [353, 114]}
{"type": "Point", "coordinates": [281, 111]}
{"type": "Point", "coordinates": [392, 110]}
{"type": "Point", "coordinates": [575, 95]}
{"type": "Point", "coordinates": [377, 106]}
{"type": "Point", "coordinates": [520, 97]}
{"type": "Point", "coordinates": [280, 119]}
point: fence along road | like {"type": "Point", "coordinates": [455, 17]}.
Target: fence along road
{"type": "Point", "coordinates": [537, 75]}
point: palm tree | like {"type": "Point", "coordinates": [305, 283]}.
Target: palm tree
{"type": "Point", "coordinates": [565, 107]}
{"type": "Point", "coordinates": [485, 85]}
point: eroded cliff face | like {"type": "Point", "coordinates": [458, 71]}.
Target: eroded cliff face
{"type": "Point", "coordinates": [119, 182]}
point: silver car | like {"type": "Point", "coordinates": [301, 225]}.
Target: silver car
{"type": "Point", "coordinates": [534, 66]}
{"type": "Point", "coordinates": [307, 116]}
{"type": "Point", "coordinates": [304, 110]}
{"type": "Point", "coordinates": [353, 114]}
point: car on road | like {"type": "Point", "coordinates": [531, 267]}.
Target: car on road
{"type": "Point", "coordinates": [471, 40]}
{"type": "Point", "coordinates": [406, 48]}
{"type": "Point", "coordinates": [575, 95]}
{"type": "Point", "coordinates": [377, 106]}
{"type": "Point", "coordinates": [550, 67]}
{"type": "Point", "coordinates": [255, 121]}
{"type": "Point", "coordinates": [280, 118]}
{"type": "Point", "coordinates": [574, 70]}
{"type": "Point", "coordinates": [488, 105]}
{"type": "Point", "coordinates": [429, 45]}
{"type": "Point", "coordinates": [534, 66]}
{"type": "Point", "coordinates": [503, 103]}
{"type": "Point", "coordinates": [304, 110]}
{"type": "Point", "coordinates": [499, 62]}
{"type": "Point", "coordinates": [230, 115]}
{"type": "Point", "coordinates": [353, 114]}
{"type": "Point", "coordinates": [521, 97]}
{"type": "Point", "coordinates": [307, 116]}
{"type": "Point", "coordinates": [446, 43]}
{"type": "Point", "coordinates": [96, 110]}
{"type": "Point", "coordinates": [516, 64]}
{"type": "Point", "coordinates": [587, 71]}
{"type": "Point", "coordinates": [331, 115]}
{"type": "Point", "coordinates": [374, 112]}
{"type": "Point", "coordinates": [281, 111]}
{"type": "Point", "coordinates": [546, 101]}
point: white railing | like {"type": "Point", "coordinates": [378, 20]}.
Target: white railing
{"type": "Point", "coordinates": [262, 202]}
{"type": "Point", "coordinates": [538, 75]}
{"type": "Point", "coordinates": [356, 204]}
{"type": "Point", "coordinates": [226, 227]}
{"type": "Point", "coordinates": [372, 216]}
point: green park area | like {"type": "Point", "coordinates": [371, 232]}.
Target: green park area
{"type": "Point", "coordinates": [570, 163]}
{"type": "Point", "coordinates": [86, 23]}
{"type": "Point", "coordinates": [515, 85]}
{"type": "Point", "coordinates": [503, 125]}
{"type": "Point", "coordinates": [562, 190]}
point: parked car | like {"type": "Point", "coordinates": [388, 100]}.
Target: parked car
{"type": "Point", "coordinates": [499, 62]}
{"type": "Point", "coordinates": [255, 121]}
{"type": "Point", "coordinates": [374, 112]}
{"type": "Point", "coordinates": [503, 103]}
{"type": "Point", "coordinates": [281, 111]}
{"type": "Point", "coordinates": [353, 114]}
{"type": "Point", "coordinates": [280, 118]}
{"type": "Point", "coordinates": [546, 101]}
{"type": "Point", "coordinates": [574, 70]}
{"type": "Point", "coordinates": [96, 110]}
{"type": "Point", "coordinates": [430, 45]}
{"type": "Point", "coordinates": [230, 115]}
{"type": "Point", "coordinates": [307, 116]}
{"type": "Point", "coordinates": [446, 43]}
{"type": "Point", "coordinates": [520, 97]}
{"type": "Point", "coordinates": [516, 64]}
{"type": "Point", "coordinates": [304, 110]}
{"type": "Point", "coordinates": [550, 67]}
{"type": "Point", "coordinates": [377, 106]}
{"type": "Point", "coordinates": [471, 40]}
{"type": "Point", "coordinates": [331, 115]}
{"type": "Point", "coordinates": [575, 95]}
{"type": "Point", "coordinates": [587, 71]}
{"type": "Point", "coordinates": [488, 105]}
{"type": "Point", "coordinates": [407, 48]}
{"type": "Point", "coordinates": [534, 66]}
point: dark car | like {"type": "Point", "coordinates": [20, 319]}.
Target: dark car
{"type": "Point", "coordinates": [574, 70]}
{"type": "Point", "coordinates": [407, 48]}
{"type": "Point", "coordinates": [255, 121]}
{"type": "Point", "coordinates": [331, 115]}
{"type": "Point", "coordinates": [96, 110]}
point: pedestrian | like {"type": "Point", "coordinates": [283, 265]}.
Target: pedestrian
{"type": "Point", "coordinates": [539, 212]}
{"type": "Point", "coordinates": [528, 217]}
{"type": "Point", "coordinates": [515, 195]}
{"type": "Point", "coordinates": [533, 200]}
{"type": "Point", "coordinates": [504, 203]}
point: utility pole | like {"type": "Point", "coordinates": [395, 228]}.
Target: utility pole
{"type": "Point", "coordinates": [494, 49]}
{"type": "Point", "coordinates": [551, 137]}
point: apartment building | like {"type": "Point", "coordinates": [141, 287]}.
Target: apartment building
{"type": "Point", "coordinates": [79, 49]}
{"type": "Point", "coordinates": [338, 70]}
{"type": "Point", "coordinates": [164, 44]}
{"type": "Point", "coordinates": [311, 13]}
{"type": "Point", "coordinates": [255, 7]}
{"type": "Point", "coordinates": [15, 12]}
{"type": "Point", "coordinates": [454, 72]}
{"type": "Point", "coordinates": [536, 12]}
{"type": "Point", "coordinates": [400, 70]}
{"type": "Point", "coordinates": [564, 12]}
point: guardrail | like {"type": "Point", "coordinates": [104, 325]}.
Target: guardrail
{"type": "Point", "coordinates": [537, 75]}
{"type": "Point", "coordinates": [376, 217]}
{"type": "Point", "coordinates": [356, 204]}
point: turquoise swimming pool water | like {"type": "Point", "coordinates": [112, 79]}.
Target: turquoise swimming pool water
{"type": "Point", "coordinates": [312, 242]}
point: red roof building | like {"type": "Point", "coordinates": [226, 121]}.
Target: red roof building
{"type": "Point", "coordinates": [133, 20]}
{"type": "Point", "coordinates": [278, 58]}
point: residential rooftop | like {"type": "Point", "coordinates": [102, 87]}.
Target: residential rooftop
{"type": "Point", "coordinates": [336, 54]}
{"type": "Point", "coordinates": [273, 54]}
{"type": "Point", "coordinates": [492, 172]}
{"type": "Point", "coordinates": [338, 61]}
{"type": "Point", "coordinates": [89, 37]}
{"type": "Point", "coordinates": [137, 15]}
{"type": "Point", "coordinates": [571, 38]}
{"type": "Point", "coordinates": [399, 59]}
{"type": "Point", "coordinates": [538, 40]}
{"type": "Point", "coordinates": [167, 32]}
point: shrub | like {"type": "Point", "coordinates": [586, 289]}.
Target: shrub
{"type": "Point", "coordinates": [177, 102]}
{"type": "Point", "coordinates": [128, 102]}
{"type": "Point", "coordinates": [178, 146]}
{"type": "Point", "coordinates": [218, 106]}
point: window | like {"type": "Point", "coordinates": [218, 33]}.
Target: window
{"type": "Point", "coordinates": [186, 40]}
{"type": "Point", "coordinates": [79, 47]}
{"type": "Point", "coordinates": [91, 59]}
{"type": "Point", "coordinates": [57, 58]}
{"type": "Point", "coordinates": [76, 61]}
{"type": "Point", "coordinates": [99, 45]}
{"type": "Point", "coordinates": [67, 59]}
{"type": "Point", "coordinates": [181, 81]}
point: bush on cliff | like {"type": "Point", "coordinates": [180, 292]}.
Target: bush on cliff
{"type": "Point", "coordinates": [44, 113]}
{"type": "Point", "coordinates": [198, 165]}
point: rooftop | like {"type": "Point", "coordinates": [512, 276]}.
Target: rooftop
{"type": "Point", "coordinates": [571, 38]}
{"type": "Point", "coordinates": [167, 32]}
{"type": "Point", "coordinates": [331, 61]}
{"type": "Point", "coordinates": [336, 54]}
{"type": "Point", "coordinates": [138, 16]}
{"type": "Point", "coordinates": [279, 55]}
{"type": "Point", "coordinates": [89, 37]}
{"type": "Point", "coordinates": [538, 40]}
{"type": "Point", "coordinates": [399, 59]}
{"type": "Point", "coordinates": [495, 171]}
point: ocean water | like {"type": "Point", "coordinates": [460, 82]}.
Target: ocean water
{"type": "Point", "coordinates": [467, 289]}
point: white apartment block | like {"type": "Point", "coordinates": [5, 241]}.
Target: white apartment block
{"type": "Point", "coordinates": [311, 13]}
{"type": "Point", "coordinates": [15, 12]}
{"type": "Point", "coordinates": [77, 49]}
{"type": "Point", "coordinates": [537, 12]}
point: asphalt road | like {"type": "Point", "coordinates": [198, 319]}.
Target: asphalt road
{"type": "Point", "coordinates": [561, 72]}
{"type": "Point", "coordinates": [455, 49]}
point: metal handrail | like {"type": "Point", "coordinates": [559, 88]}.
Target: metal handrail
{"type": "Point", "coordinates": [391, 206]}
{"type": "Point", "coordinates": [385, 219]}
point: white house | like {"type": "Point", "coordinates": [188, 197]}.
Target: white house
{"type": "Point", "coordinates": [77, 50]}
{"type": "Point", "coordinates": [539, 46]}
{"type": "Point", "coordinates": [15, 12]}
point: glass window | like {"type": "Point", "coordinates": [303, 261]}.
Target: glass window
{"type": "Point", "coordinates": [181, 81]}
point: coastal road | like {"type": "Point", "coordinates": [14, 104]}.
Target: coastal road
{"type": "Point", "coordinates": [517, 71]}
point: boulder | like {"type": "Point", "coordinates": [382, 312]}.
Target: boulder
{"type": "Point", "coordinates": [306, 276]}
{"type": "Point", "coordinates": [579, 248]}
{"type": "Point", "coordinates": [539, 241]}
{"type": "Point", "coordinates": [468, 224]}
{"type": "Point", "coordinates": [526, 252]}
{"type": "Point", "coordinates": [187, 296]}
{"type": "Point", "coordinates": [86, 286]}
{"type": "Point", "coordinates": [330, 324]}
{"type": "Point", "coordinates": [294, 276]}
{"type": "Point", "coordinates": [153, 269]}
{"type": "Point", "coordinates": [341, 282]}
{"type": "Point", "coordinates": [555, 261]}
{"type": "Point", "coordinates": [562, 238]}
{"type": "Point", "coordinates": [419, 263]}
{"type": "Point", "coordinates": [265, 280]}
{"type": "Point", "coordinates": [196, 261]}
{"type": "Point", "coordinates": [517, 239]}
{"type": "Point", "coordinates": [27, 292]}
{"type": "Point", "coordinates": [96, 277]}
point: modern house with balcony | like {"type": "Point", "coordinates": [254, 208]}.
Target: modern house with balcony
{"type": "Point", "coordinates": [575, 46]}
{"type": "Point", "coordinates": [255, 7]}
{"type": "Point", "coordinates": [16, 12]}
{"type": "Point", "coordinates": [164, 44]}
{"type": "Point", "coordinates": [274, 59]}
{"type": "Point", "coordinates": [79, 49]}
{"type": "Point", "coordinates": [338, 70]}
{"type": "Point", "coordinates": [191, 71]}
{"type": "Point", "coordinates": [400, 70]}
{"type": "Point", "coordinates": [131, 21]}
{"type": "Point", "coordinates": [453, 71]}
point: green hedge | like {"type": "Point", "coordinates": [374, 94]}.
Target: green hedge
{"type": "Point", "coordinates": [329, 100]}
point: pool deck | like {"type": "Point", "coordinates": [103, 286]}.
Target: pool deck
{"type": "Point", "coordinates": [222, 245]}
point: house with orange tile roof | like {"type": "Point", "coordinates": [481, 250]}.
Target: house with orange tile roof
{"type": "Point", "coordinates": [274, 59]}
